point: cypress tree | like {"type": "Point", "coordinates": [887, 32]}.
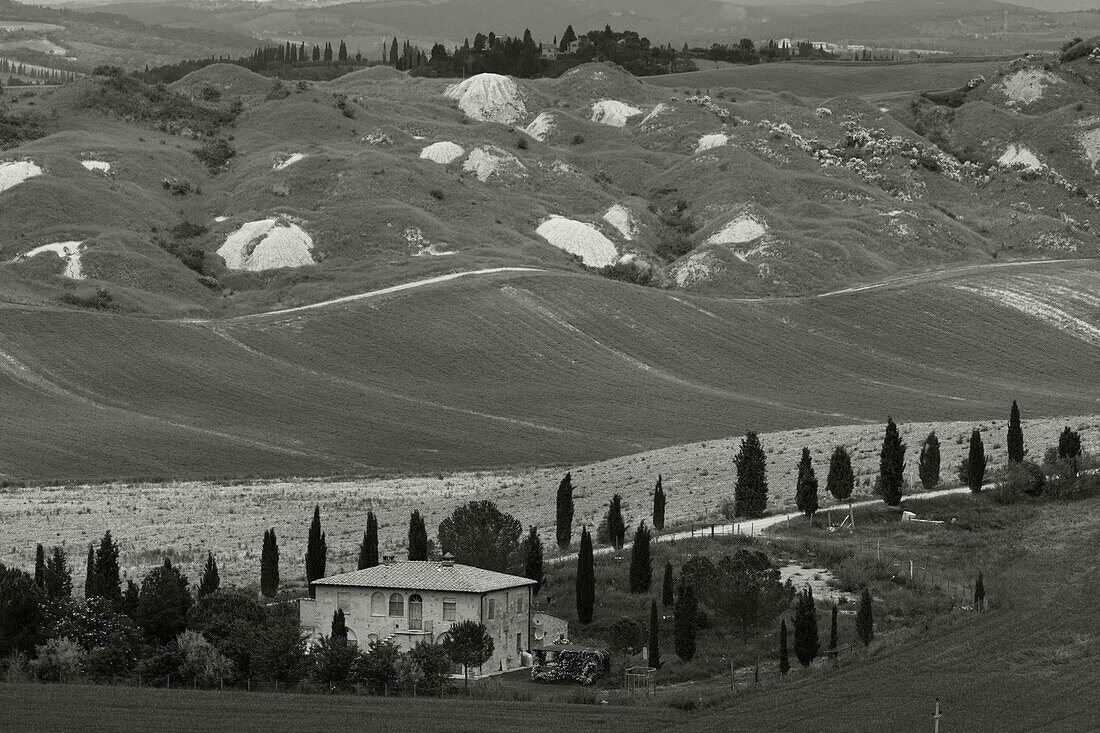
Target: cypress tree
{"type": "Point", "coordinates": [929, 466]}
{"type": "Point", "coordinates": [784, 657]}
{"type": "Point", "coordinates": [979, 593]}
{"type": "Point", "coordinates": [654, 635]}
{"type": "Point", "coordinates": [865, 620]}
{"type": "Point", "coordinates": [616, 528]}
{"type": "Point", "coordinates": [130, 599]}
{"type": "Point", "coordinates": [832, 635]}
{"type": "Point", "coordinates": [393, 53]}
{"type": "Point", "coordinates": [368, 550]}
{"type": "Point", "coordinates": [532, 558]}
{"type": "Point", "coordinates": [418, 537]}
{"type": "Point", "coordinates": [975, 462]}
{"type": "Point", "coordinates": [269, 565]}
{"type": "Point", "coordinates": [891, 465]}
{"type": "Point", "coordinates": [750, 493]}
{"type": "Point", "coordinates": [841, 480]}
{"type": "Point", "coordinates": [1015, 436]}
{"type": "Point", "coordinates": [108, 581]}
{"type": "Point", "coordinates": [1069, 448]}
{"type": "Point", "coordinates": [40, 566]}
{"type": "Point", "coordinates": [806, 487]}
{"type": "Point", "coordinates": [342, 54]}
{"type": "Point", "coordinates": [90, 590]}
{"type": "Point", "coordinates": [58, 580]}
{"type": "Point", "coordinates": [686, 611]}
{"type": "Point", "coordinates": [316, 551]}
{"type": "Point", "coordinates": [316, 53]}
{"type": "Point", "coordinates": [659, 505]}
{"type": "Point", "coordinates": [210, 581]}
{"type": "Point", "coordinates": [564, 523]}
{"type": "Point", "coordinates": [666, 586]}
{"type": "Point", "coordinates": [806, 642]}
{"type": "Point", "coordinates": [641, 566]}
{"type": "Point", "coordinates": [339, 627]}
{"type": "Point", "coordinates": [586, 579]}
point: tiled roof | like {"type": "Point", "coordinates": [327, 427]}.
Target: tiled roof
{"type": "Point", "coordinates": [427, 575]}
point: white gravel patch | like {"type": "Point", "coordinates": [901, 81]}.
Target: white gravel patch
{"type": "Point", "coordinates": [623, 220]}
{"type": "Point", "coordinates": [442, 152]}
{"type": "Point", "coordinates": [282, 165]}
{"type": "Point", "coordinates": [67, 251]}
{"type": "Point", "coordinates": [744, 228]}
{"type": "Point", "coordinates": [697, 268]}
{"type": "Point", "coordinates": [1020, 158]}
{"type": "Point", "coordinates": [659, 109]}
{"type": "Point", "coordinates": [268, 244]}
{"type": "Point", "coordinates": [15, 172]}
{"type": "Point", "coordinates": [715, 140]}
{"type": "Point", "coordinates": [488, 161]}
{"type": "Point", "coordinates": [1090, 146]}
{"type": "Point", "coordinates": [488, 98]}
{"type": "Point", "coordinates": [1027, 86]}
{"type": "Point", "coordinates": [96, 166]}
{"type": "Point", "coordinates": [613, 113]}
{"type": "Point", "coordinates": [541, 127]}
{"type": "Point", "coordinates": [578, 238]}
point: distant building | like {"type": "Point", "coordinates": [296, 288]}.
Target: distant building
{"type": "Point", "coordinates": [785, 44]}
{"type": "Point", "coordinates": [410, 602]}
{"type": "Point", "coordinates": [548, 51]}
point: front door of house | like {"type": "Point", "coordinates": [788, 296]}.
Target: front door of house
{"type": "Point", "coordinates": [416, 613]}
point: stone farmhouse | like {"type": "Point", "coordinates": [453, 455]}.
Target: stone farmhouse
{"type": "Point", "coordinates": [414, 601]}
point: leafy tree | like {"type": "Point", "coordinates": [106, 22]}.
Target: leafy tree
{"type": "Point", "coordinates": [626, 635]}
{"type": "Point", "coordinates": [806, 487]}
{"type": "Point", "coordinates": [685, 614]}
{"type": "Point", "coordinates": [233, 621]}
{"type": "Point", "coordinates": [269, 565]}
{"type": "Point", "coordinates": [747, 589]}
{"type": "Point", "coordinates": [806, 643]}
{"type": "Point", "coordinates": [20, 612]}
{"type": "Point", "coordinates": [667, 598]}
{"type": "Point", "coordinates": [891, 465]}
{"type": "Point", "coordinates": [566, 38]}
{"type": "Point", "coordinates": [784, 656]}
{"type": "Point", "coordinates": [316, 547]}
{"type": "Point", "coordinates": [1015, 435]}
{"type": "Point", "coordinates": [531, 547]}
{"type": "Point", "coordinates": [750, 493]}
{"type": "Point", "coordinates": [479, 534]}
{"type": "Point", "coordinates": [281, 651]}
{"type": "Point", "coordinates": [378, 667]}
{"type": "Point", "coordinates": [368, 551]}
{"type": "Point", "coordinates": [700, 573]}
{"type": "Point", "coordinates": [841, 480]}
{"type": "Point", "coordinates": [641, 565]}
{"type": "Point", "coordinates": [470, 644]}
{"type": "Point", "coordinates": [586, 579]}
{"type": "Point", "coordinates": [1069, 448]}
{"type": "Point", "coordinates": [163, 603]}
{"type": "Point", "coordinates": [832, 634]}
{"type": "Point", "coordinates": [616, 527]}
{"type": "Point", "coordinates": [929, 466]}
{"type": "Point", "coordinates": [331, 659]}
{"type": "Point", "coordinates": [418, 537]}
{"type": "Point", "coordinates": [979, 593]}
{"type": "Point", "coordinates": [58, 579]}
{"type": "Point", "coordinates": [40, 566]}
{"type": "Point", "coordinates": [865, 620]}
{"type": "Point", "coordinates": [654, 636]}
{"type": "Point", "coordinates": [108, 583]}
{"type": "Point", "coordinates": [975, 462]}
{"type": "Point", "coordinates": [210, 581]}
{"type": "Point", "coordinates": [130, 599]}
{"type": "Point", "coordinates": [564, 523]}
{"type": "Point", "coordinates": [659, 505]}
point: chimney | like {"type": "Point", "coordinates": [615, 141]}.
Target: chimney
{"type": "Point", "coordinates": [448, 561]}
{"type": "Point", "coordinates": [389, 559]}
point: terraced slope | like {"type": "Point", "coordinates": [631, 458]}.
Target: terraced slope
{"type": "Point", "coordinates": [513, 369]}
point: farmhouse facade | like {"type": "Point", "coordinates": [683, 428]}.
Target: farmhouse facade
{"type": "Point", "coordinates": [415, 601]}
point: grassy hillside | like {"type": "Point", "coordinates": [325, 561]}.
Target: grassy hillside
{"type": "Point", "coordinates": [513, 369]}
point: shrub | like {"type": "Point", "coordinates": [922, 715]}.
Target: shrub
{"type": "Point", "coordinates": [627, 272]}
{"type": "Point", "coordinates": [100, 299]}
{"type": "Point", "coordinates": [278, 90]}
{"type": "Point", "coordinates": [626, 635]}
{"type": "Point", "coordinates": [521, 143]}
{"type": "Point", "coordinates": [58, 660]}
{"type": "Point", "coordinates": [210, 94]}
{"type": "Point", "coordinates": [436, 194]}
{"type": "Point", "coordinates": [578, 139]}
{"type": "Point", "coordinates": [215, 153]}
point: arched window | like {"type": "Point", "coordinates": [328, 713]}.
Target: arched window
{"type": "Point", "coordinates": [353, 638]}
{"type": "Point", "coordinates": [378, 604]}
{"type": "Point", "coordinates": [416, 612]}
{"type": "Point", "coordinates": [397, 605]}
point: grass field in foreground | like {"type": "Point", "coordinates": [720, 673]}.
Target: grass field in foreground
{"type": "Point", "coordinates": [822, 81]}
{"type": "Point", "coordinates": [505, 371]}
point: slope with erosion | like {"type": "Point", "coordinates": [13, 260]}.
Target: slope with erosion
{"type": "Point", "coordinates": [506, 368]}
{"type": "Point", "coordinates": [842, 192]}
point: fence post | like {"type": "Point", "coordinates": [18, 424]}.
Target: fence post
{"type": "Point", "coordinates": [712, 531]}
{"type": "Point", "coordinates": [910, 568]}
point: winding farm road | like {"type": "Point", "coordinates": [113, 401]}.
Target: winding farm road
{"type": "Point", "coordinates": [755, 526]}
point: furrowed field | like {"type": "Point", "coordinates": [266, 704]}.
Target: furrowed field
{"type": "Point", "coordinates": [525, 369]}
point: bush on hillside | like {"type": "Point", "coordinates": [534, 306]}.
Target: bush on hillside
{"type": "Point", "coordinates": [17, 129]}
{"type": "Point", "coordinates": [627, 272]}
{"type": "Point", "coordinates": [132, 99]}
{"type": "Point", "coordinates": [99, 299]}
{"type": "Point", "coordinates": [215, 153]}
